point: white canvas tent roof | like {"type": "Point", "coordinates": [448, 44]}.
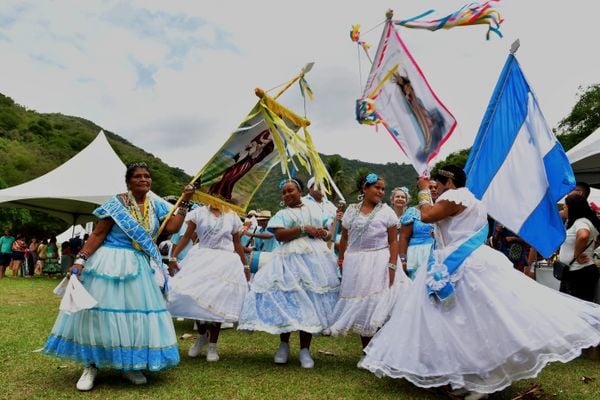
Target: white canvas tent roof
{"type": "Point", "coordinates": [585, 159]}
{"type": "Point", "coordinates": [74, 189]}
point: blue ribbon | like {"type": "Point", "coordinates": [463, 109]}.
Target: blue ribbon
{"type": "Point", "coordinates": [439, 283]}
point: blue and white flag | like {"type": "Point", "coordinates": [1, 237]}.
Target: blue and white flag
{"type": "Point", "coordinates": [516, 167]}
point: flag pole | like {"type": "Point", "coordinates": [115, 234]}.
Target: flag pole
{"type": "Point", "coordinates": [303, 72]}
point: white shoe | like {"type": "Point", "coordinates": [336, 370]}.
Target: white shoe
{"type": "Point", "coordinates": [281, 357]}
{"type": "Point", "coordinates": [86, 382]}
{"type": "Point", "coordinates": [476, 396]}
{"type": "Point", "coordinates": [226, 325]}
{"type": "Point", "coordinates": [135, 377]}
{"type": "Point", "coordinates": [211, 354]}
{"type": "Point", "coordinates": [326, 332]}
{"type": "Point", "coordinates": [196, 348]}
{"type": "Point", "coordinates": [306, 360]}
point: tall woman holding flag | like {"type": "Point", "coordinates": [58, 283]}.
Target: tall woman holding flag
{"type": "Point", "coordinates": [481, 324]}
{"type": "Point", "coordinates": [130, 329]}
{"type": "Point", "coordinates": [298, 288]}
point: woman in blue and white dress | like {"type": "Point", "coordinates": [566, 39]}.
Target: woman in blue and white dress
{"type": "Point", "coordinates": [416, 240]}
{"type": "Point", "coordinates": [212, 279]}
{"type": "Point", "coordinates": [471, 320]}
{"type": "Point", "coordinates": [130, 328]}
{"type": "Point", "coordinates": [298, 288]}
{"type": "Point", "coordinates": [368, 256]}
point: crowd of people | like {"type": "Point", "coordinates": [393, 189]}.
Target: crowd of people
{"type": "Point", "coordinates": [431, 302]}
{"type": "Point", "coordinates": [38, 257]}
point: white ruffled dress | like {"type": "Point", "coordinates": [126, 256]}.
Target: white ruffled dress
{"type": "Point", "coordinates": [211, 284]}
{"type": "Point", "coordinates": [502, 326]}
{"type": "Point", "coordinates": [298, 288]}
{"type": "Point", "coordinates": [365, 274]}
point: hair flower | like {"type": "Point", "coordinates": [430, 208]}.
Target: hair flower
{"type": "Point", "coordinates": [371, 178]}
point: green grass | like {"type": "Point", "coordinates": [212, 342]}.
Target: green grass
{"type": "Point", "coordinates": [246, 371]}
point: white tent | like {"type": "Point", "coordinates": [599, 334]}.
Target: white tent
{"type": "Point", "coordinates": [74, 189]}
{"type": "Point", "coordinates": [585, 159]}
{"type": "Point", "coordinates": [75, 230]}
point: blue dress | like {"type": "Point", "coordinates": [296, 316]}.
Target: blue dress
{"type": "Point", "coordinates": [130, 327]}
{"type": "Point", "coordinates": [420, 243]}
{"type": "Point", "coordinates": [298, 288]}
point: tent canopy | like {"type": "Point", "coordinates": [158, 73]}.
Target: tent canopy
{"type": "Point", "coordinates": [74, 189]}
{"type": "Point", "coordinates": [585, 159]}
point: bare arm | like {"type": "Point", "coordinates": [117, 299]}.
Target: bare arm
{"type": "Point", "coordinates": [95, 240]}
{"type": "Point", "coordinates": [343, 246]}
{"type": "Point", "coordinates": [393, 243]}
{"type": "Point", "coordinates": [440, 210]}
{"type": "Point", "coordinates": [582, 239]}
{"type": "Point", "coordinates": [184, 239]}
{"type": "Point", "coordinates": [406, 232]}
{"type": "Point", "coordinates": [239, 249]}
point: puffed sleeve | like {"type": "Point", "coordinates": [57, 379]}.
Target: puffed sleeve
{"type": "Point", "coordinates": [236, 223]}
{"type": "Point", "coordinates": [410, 216]}
{"type": "Point", "coordinates": [279, 220]}
{"type": "Point", "coordinates": [347, 218]}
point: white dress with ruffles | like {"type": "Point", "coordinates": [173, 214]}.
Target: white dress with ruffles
{"type": "Point", "coordinates": [365, 274]}
{"type": "Point", "coordinates": [211, 284]}
{"type": "Point", "coordinates": [502, 326]}
{"type": "Point", "coordinates": [298, 288]}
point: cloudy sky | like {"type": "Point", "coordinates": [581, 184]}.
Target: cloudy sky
{"type": "Point", "coordinates": [176, 77]}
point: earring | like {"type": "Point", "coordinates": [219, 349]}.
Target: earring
{"type": "Point", "coordinates": [281, 204]}
{"type": "Point", "coordinates": [360, 197]}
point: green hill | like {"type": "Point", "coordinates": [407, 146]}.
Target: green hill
{"type": "Point", "coordinates": [32, 144]}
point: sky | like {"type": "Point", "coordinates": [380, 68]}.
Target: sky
{"type": "Point", "coordinates": [177, 77]}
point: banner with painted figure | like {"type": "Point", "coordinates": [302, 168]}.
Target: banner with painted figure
{"type": "Point", "coordinates": [398, 96]}
{"type": "Point", "coordinates": [269, 135]}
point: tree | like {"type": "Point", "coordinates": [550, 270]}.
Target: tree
{"type": "Point", "coordinates": [584, 118]}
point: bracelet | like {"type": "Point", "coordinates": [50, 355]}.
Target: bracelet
{"type": "Point", "coordinates": [402, 257]}
{"type": "Point", "coordinates": [181, 211]}
{"type": "Point", "coordinates": [83, 254]}
{"type": "Point", "coordinates": [81, 261]}
{"type": "Point", "coordinates": [424, 197]}
{"type": "Point", "coordinates": [186, 204]}
{"type": "Point", "coordinates": [301, 229]}
{"type": "Point", "coordinates": [392, 266]}
{"type": "Point", "coordinates": [246, 267]}
{"type": "Point", "coordinates": [172, 259]}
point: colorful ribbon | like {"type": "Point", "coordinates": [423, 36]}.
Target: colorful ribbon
{"type": "Point", "coordinates": [470, 14]}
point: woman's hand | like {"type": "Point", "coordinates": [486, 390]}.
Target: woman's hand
{"type": "Point", "coordinates": [76, 269]}
{"type": "Point", "coordinates": [423, 183]}
{"type": "Point", "coordinates": [583, 259]}
{"type": "Point", "coordinates": [312, 231]}
{"type": "Point", "coordinates": [173, 267]}
{"type": "Point", "coordinates": [187, 193]}
{"type": "Point", "coordinates": [392, 276]}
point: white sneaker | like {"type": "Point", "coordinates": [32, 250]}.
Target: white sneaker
{"type": "Point", "coordinates": [135, 377]}
{"type": "Point", "coordinates": [86, 382]}
{"type": "Point", "coordinates": [476, 396]}
{"type": "Point", "coordinates": [226, 325]}
{"type": "Point", "coordinates": [281, 357]}
{"type": "Point", "coordinates": [306, 360]}
{"type": "Point", "coordinates": [196, 348]}
{"type": "Point", "coordinates": [211, 354]}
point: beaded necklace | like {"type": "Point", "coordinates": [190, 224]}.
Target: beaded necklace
{"type": "Point", "coordinates": [143, 218]}
{"type": "Point", "coordinates": [357, 238]}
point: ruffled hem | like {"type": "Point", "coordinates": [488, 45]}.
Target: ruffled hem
{"type": "Point", "coordinates": [464, 379]}
{"type": "Point", "coordinates": [119, 358]}
{"type": "Point", "coordinates": [285, 328]}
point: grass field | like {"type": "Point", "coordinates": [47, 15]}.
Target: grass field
{"type": "Point", "coordinates": [246, 371]}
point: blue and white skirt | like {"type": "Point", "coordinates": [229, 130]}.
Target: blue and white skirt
{"type": "Point", "coordinates": [129, 329]}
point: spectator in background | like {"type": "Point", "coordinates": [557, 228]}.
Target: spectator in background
{"type": "Point", "coordinates": [32, 256]}
{"type": "Point", "coordinates": [512, 246]}
{"type": "Point", "coordinates": [51, 265]}
{"type": "Point", "coordinates": [41, 251]}
{"type": "Point", "coordinates": [6, 243]}
{"type": "Point", "coordinates": [578, 248]}
{"type": "Point", "coordinates": [316, 196]}
{"type": "Point", "coordinates": [75, 244]}
{"type": "Point", "coordinates": [19, 247]}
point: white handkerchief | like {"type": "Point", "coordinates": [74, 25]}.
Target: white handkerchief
{"type": "Point", "coordinates": [61, 288]}
{"type": "Point", "coordinates": [76, 298]}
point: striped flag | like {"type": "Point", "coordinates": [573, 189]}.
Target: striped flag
{"type": "Point", "coordinates": [516, 167]}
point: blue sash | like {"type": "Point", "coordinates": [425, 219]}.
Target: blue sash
{"type": "Point", "coordinates": [132, 228]}
{"type": "Point", "coordinates": [438, 281]}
